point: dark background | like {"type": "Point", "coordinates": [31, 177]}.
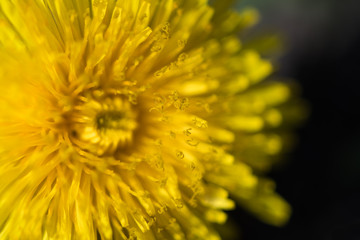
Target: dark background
{"type": "Point", "coordinates": [322, 177]}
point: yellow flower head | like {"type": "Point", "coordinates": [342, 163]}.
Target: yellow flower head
{"type": "Point", "coordinates": [133, 119]}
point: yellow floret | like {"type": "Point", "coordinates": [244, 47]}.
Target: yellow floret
{"type": "Point", "coordinates": [133, 119]}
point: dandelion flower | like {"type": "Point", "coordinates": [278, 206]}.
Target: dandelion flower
{"type": "Point", "coordinates": [133, 119]}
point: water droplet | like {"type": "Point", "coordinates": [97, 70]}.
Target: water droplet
{"type": "Point", "coordinates": [179, 203]}
{"type": "Point", "coordinates": [172, 134]}
{"type": "Point", "coordinates": [182, 57]}
{"type": "Point", "coordinates": [192, 166]}
{"type": "Point", "coordinates": [192, 142]}
{"type": "Point", "coordinates": [179, 154]}
{"type": "Point", "coordinates": [156, 47]}
{"type": "Point", "coordinates": [187, 132]}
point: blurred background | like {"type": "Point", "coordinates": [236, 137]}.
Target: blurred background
{"type": "Point", "coordinates": [322, 177]}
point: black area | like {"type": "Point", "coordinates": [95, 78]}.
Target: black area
{"type": "Point", "coordinates": [322, 179]}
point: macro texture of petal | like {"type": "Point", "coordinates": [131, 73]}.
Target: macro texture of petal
{"type": "Point", "coordinates": [134, 119]}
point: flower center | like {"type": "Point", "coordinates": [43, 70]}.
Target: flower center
{"type": "Point", "coordinates": [103, 125]}
{"type": "Point", "coordinates": [115, 120]}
